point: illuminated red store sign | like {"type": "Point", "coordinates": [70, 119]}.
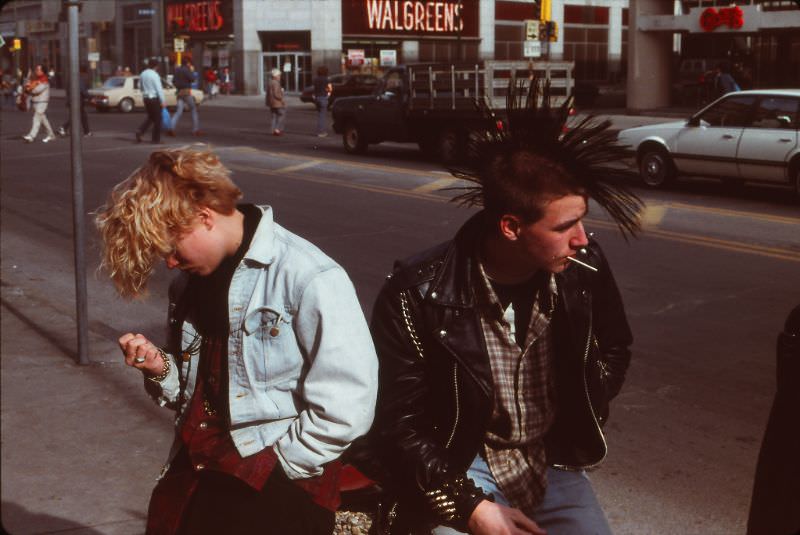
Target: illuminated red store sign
{"type": "Point", "coordinates": [410, 17]}
{"type": "Point", "coordinates": [205, 18]}
{"type": "Point", "coordinates": [732, 17]}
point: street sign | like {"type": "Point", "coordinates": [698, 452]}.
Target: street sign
{"type": "Point", "coordinates": [533, 49]}
{"type": "Point", "coordinates": [94, 56]}
{"type": "Point", "coordinates": [178, 44]}
{"type": "Point", "coordinates": [531, 29]}
{"type": "Point", "coordinates": [2, 41]}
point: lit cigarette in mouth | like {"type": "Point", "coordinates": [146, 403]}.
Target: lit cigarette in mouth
{"type": "Point", "coordinates": [584, 264]}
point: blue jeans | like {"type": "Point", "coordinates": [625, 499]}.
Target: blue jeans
{"type": "Point", "coordinates": [322, 116]}
{"type": "Point", "coordinates": [188, 102]}
{"type": "Point", "coordinates": [278, 117]}
{"type": "Point", "coordinates": [569, 507]}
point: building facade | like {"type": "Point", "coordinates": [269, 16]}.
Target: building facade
{"type": "Point", "coordinates": [645, 44]}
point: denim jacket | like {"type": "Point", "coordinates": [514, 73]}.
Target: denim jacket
{"type": "Point", "coordinates": [302, 368]}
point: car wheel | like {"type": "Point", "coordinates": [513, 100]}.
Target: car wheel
{"type": "Point", "coordinates": [126, 105]}
{"type": "Point", "coordinates": [353, 139]}
{"type": "Point", "coordinates": [796, 180]}
{"type": "Point", "coordinates": [450, 145]}
{"type": "Point", "coordinates": [655, 167]}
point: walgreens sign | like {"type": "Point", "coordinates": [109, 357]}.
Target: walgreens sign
{"type": "Point", "coordinates": [409, 17]}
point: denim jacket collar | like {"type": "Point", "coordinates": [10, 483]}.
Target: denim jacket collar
{"type": "Point", "coordinates": [262, 248]}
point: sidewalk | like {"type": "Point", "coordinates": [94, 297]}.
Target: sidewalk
{"type": "Point", "coordinates": [620, 117]}
{"type": "Point", "coordinates": [81, 445]}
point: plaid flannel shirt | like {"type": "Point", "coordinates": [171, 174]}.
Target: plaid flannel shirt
{"type": "Point", "coordinates": [523, 394]}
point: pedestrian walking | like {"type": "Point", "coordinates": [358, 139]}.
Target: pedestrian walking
{"type": "Point", "coordinates": [84, 90]}
{"type": "Point", "coordinates": [725, 82]}
{"type": "Point", "coordinates": [6, 88]}
{"type": "Point", "coordinates": [182, 80]}
{"type": "Point", "coordinates": [38, 88]}
{"type": "Point", "coordinates": [275, 102]}
{"type": "Point", "coordinates": [269, 364]}
{"type": "Point", "coordinates": [322, 92]}
{"type": "Point", "coordinates": [210, 78]}
{"type": "Point", "coordinates": [153, 96]}
{"type": "Point", "coordinates": [225, 81]}
{"type": "Point", "coordinates": [519, 320]}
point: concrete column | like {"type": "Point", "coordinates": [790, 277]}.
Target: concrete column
{"type": "Point", "coordinates": [326, 35]}
{"type": "Point", "coordinates": [485, 31]}
{"type": "Point", "coordinates": [246, 54]}
{"type": "Point", "coordinates": [648, 58]}
{"type": "Point", "coordinates": [614, 41]}
{"type": "Point", "coordinates": [556, 48]}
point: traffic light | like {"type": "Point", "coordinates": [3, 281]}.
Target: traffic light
{"type": "Point", "coordinates": [545, 10]}
{"type": "Point", "coordinates": [17, 44]}
{"type": "Point", "coordinates": [552, 30]}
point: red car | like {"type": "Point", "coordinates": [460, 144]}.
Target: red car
{"type": "Point", "coordinates": [344, 85]}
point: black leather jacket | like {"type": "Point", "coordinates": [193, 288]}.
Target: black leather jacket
{"type": "Point", "coordinates": [436, 392]}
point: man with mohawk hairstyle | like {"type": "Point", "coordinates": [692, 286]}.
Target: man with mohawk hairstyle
{"type": "Point", "coordinates": [269, 364]}
{"type": "Point", "coordinates": [500, 350]}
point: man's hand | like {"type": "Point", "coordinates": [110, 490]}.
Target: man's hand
{"type": "Point", "coordinates": [491, 518]}
{"type": "Point", "coordinates": [140, 353]}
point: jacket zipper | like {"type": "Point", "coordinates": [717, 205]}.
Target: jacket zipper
{"type": "Point", "coordinates": [591, 409]}
{"type": "Point", "coordinates": [418, 346]}
{"type": "Point", "coordinates": [458, 406]}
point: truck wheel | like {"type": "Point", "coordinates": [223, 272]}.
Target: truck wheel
{"type": "Point", "coordinates": [126, 105]}
{"type": "Point", "coordinates": [353, 140]}
{"type": "Point", "coordinates": [450, 145]}
{"type": "Point", "coordinates": [656, 167]}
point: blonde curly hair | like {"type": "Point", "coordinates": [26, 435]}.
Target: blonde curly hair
{"type": "Point", "coordinates": [147, 212]}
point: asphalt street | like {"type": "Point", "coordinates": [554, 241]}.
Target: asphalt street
{"type": "Point", "coordinates": [707, 286]}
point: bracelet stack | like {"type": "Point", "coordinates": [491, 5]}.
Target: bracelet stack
{"type": "Point", "coordinates": [164, 371]}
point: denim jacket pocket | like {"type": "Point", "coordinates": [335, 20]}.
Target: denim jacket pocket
{"type": "Point", "coordinates": [269, 329]}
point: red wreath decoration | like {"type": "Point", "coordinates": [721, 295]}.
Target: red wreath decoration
{"type": "Point", "coordinates": [732, 17]}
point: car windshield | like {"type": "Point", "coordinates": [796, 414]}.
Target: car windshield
{"type": "Point", "coordinates": [115, 81]}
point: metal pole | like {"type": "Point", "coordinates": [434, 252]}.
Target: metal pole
{"type": "Point", "coordinates": [78, 222]}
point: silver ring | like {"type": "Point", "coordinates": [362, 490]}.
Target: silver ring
{"type": "Point", "coordinates": [138, 360]}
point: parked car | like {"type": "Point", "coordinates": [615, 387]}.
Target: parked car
{"type": "Point", "coordinates": [742, 136]}
{"type": "Point", "coordinates": [123, 93]}
{"type": "Point", "coordinates": [344, 85]}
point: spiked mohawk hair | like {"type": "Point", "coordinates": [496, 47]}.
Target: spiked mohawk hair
{"type": "Point", "coordinates": [534, 159]}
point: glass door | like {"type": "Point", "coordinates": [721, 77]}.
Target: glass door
{"type": "Point", "coordinates": [295, 67]}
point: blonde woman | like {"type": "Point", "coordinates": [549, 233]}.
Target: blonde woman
{"type": "Point", "coordinates": [269, 364]}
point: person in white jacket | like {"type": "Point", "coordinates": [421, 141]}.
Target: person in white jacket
{"type": "Point", "coordinates": [38, 87]}
{"type": "Point", "coordinates": [269, 363]}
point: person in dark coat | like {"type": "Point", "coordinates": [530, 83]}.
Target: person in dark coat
{"type": "Point", "coordinates": [500, 350]}
{"type": "Point", "coordinates": [775, 506]}
{"type": "Point", "coordinates": [84, 90]}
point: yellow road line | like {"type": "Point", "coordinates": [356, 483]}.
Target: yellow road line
{"type": "Point", "coordinates": [705, 241]}
{"type": "Point", "coordinates": [436, 185]}
{"type": "Point", "coordinates": [332, 182]}
{"type": "Point", "coordinates": [653, 214]}
{"type": "Point", "coordinates": [337, 161]}
{"type": "Point", "coordinates": [298, 167]}
{"type": "Point", "coordinates": [735, 213]}
{"type": "Point", "coordinates": [772, 252]}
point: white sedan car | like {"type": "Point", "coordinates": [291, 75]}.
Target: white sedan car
{"type": "Point", "coordinates": [747, 135]}
{"type": "Point", "coordinates": [124, 94]}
